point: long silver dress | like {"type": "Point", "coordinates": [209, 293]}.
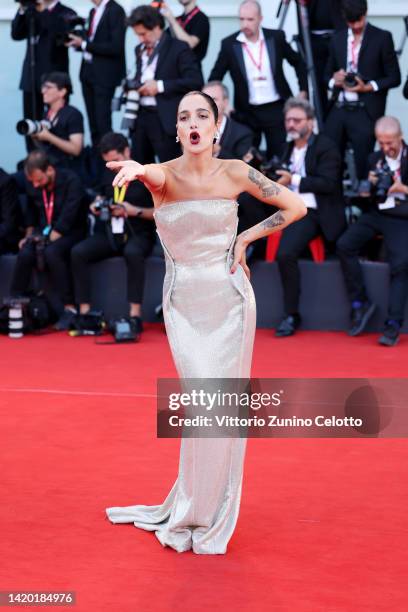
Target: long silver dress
{"type": "Point", "coordinates": [210, 318]}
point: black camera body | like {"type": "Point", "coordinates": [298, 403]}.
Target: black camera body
{"type": "Point", "coordinates": [350, 79]}
{"type": "Point", "coordinates": [270, 168]}
{"type": "Point", "coordinates": [385, 178]}
{"type": "Point", "coordinates": [73, 25]}
{"type": "Point", "coordinates": [104, 208]}
{"type": "Point", "coordinates": [40, 241]}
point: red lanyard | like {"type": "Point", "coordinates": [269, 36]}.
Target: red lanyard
{"type": "Point", "coordinates": [186, 21]}
{"type": "Point", "coordinates": [48, 205]}
{"type": "Point", "coordinates": [257, 65]}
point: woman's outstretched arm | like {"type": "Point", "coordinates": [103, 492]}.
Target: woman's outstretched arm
{"type": "Point", "coordinates": [152, 175]}
{"type": "Point", "coordinates": [290, 204]}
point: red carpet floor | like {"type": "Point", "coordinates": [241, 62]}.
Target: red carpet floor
{"type": "Point", "coordinates": [323, 523]}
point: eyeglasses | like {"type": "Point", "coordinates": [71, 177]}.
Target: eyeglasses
{"type": "Point", "coordinates": [48, 86]}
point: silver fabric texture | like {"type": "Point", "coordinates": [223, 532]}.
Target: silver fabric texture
{"type": "Point", "coordinates": [210, 319]}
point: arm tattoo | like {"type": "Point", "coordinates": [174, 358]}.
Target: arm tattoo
{"type": "Point", "coordinates": [273, 221]}
{"type": "Point", "coordinates": [267, 187]}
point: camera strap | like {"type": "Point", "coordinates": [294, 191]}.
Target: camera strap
{"type": "Point", "coordinates": [48, 205]}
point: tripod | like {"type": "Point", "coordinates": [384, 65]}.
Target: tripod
{"type": "Point", "coordinates": [306, 51]}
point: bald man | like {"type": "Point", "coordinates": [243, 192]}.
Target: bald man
{"type": "Point", "coordinates": [387, 215]}
{"type": "Point", "coordinates": [254, 58]}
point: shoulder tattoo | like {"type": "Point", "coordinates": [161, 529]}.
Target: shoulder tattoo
{"type": "Point", "coordinates": [267, 187]}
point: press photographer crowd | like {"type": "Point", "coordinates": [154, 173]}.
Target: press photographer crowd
{"type": "Point", "coordinates": [331, 141]}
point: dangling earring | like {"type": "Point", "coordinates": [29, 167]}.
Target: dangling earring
{"type": "Point", "coordinates": [216, 137]}
{"type": "Point", "coordinates": [177, 139]}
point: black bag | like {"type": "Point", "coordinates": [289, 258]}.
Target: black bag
{"type": "Point", "coordinates": [37, 314]}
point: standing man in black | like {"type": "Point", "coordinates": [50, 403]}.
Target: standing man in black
{"type": "Point", "coordinates": [193, 26]}
{"type": "Point", "coordinates": [315, 174]}
{"type": "Point", "coordinates": [386, 216]}
{"type": "Point", "coordinates": [51, 19]}
{"type": "Point", "coordinates": [167, 69]}
{"type": "Point", "coordinates": [103, 66]}
{"type": "Point", "coordinates": [325, 18]}
{"type": "Point", "coordinates": [254, 58]}
{"type": "Point", "coordinates": [361, 68]}
{"type": "Point", "coordinates": [10, 214]}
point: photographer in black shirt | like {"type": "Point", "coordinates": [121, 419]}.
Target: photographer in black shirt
{"type": "Point", "coordinates": [127, 229]}
{"type": "Point", "coordinates": [55, 221]}
{"type": "Point", "coordinates": [63, 141]}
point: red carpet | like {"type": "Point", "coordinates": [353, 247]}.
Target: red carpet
{"type": "Point", "coordinates": [322, 526]}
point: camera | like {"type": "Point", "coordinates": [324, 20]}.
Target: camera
{"type": "Point", "coordinates": [104, 208]}
{"type": "Point", "coordinates": [385, 178]}
{"type": "Point", "coordinates": [129, 96]}
{"type": "Point", "coordinates": [73, 25]}
{"type": "Point", "coordinates": [40, 241]}
{"type": "Point", "coordinates": [350, 79]}
{"type": "Point", "coordinates": [28, 3]}
{"type": "Point", "coordinates": [270, 168]}
{"type": "Point", "coordinates": [28, 127]}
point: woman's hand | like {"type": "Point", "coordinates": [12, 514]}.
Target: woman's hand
{"type": "Point", "coordinates": [127, 171]}
{"type": "Point", "coordinates": [240, 257]}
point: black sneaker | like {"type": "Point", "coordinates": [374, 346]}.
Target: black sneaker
{"type": "Point", "coordinates": [66, 321]}
{"type": "Point", "coordinates": [136, 325]}
{"type": "Point", "coordinates": [390, 335]}
{"type": "Point", "coordinates": [288, 326]}
{"type": "Point", "coordinates": [360, 317]}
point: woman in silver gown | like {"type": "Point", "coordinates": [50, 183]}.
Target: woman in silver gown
{"type": "Point", "coordinates": [209, 313]}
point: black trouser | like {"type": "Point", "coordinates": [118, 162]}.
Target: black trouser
{"type": "Point", "coordinates": [98, 101]}
{"type": "Point", "coordinates": [267, 119]}
{"type": "Point", "coordinates": [29, 114]}
{"type": "Point", "coordinates": [355, 125]}
{"type": "Point", "coordinates": [320, 51]}
{"type": "Point", "coordinates": [98, 247]}
{"type": "Point", "coordinates": [149, 138]}
{"type": "Point", "coordinates": [395, 232]}
{"type": "Point", "coordinates": [294, 241]}
{"type": "Point", "coordinates": [56, 255]}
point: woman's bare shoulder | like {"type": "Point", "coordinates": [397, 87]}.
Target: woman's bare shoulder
{"type": "Point", "coordinates": [236, 169]}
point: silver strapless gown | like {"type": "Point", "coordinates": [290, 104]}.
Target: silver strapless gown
{"type": "Point", "coordinates": [210, 321]}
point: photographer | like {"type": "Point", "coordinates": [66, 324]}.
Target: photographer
{"type": "Point", "coordinates": [166, 68]}
{"type": "Point", "coordinates": [314, 171]}
{"type": "Point", "coordinates": [51, 21]}
{"type": "Point", "coordinates": [10, 215]}
{"type": "Point", "coordinates": [235, 138]}
{"type": "Point", "coordinates": [388, 216]}
{"type": "Point", "coordinates": [361, 68]}
{"type": "Point", "coordinates": [63, 140]}
{"type": "Point", "coordinates": [103, 65]}
{"type": "Point", "coordinates": [193, 27]}
{"type": "Point", "coordinates": [128, 230]}
{"type": "Point", "coordinates": [56, 220]}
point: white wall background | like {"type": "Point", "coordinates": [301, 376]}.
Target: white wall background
{"type": "Point", "coordinates": [384, 13]}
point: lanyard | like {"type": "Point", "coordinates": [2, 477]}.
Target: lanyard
{"type": "Point", "coordinates": [119, 194]}
{"type": "Point", "coordinates": [185, 21]}
{"type": "Point", "coordinates": [48, 205]}
{"type": "Point", "coordinates": [257, 65]}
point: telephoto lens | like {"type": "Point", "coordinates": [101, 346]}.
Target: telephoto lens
{"type": "Point", "coordinates": [15, 321]}
{"type": "Point", "coordinates": [28, 127]}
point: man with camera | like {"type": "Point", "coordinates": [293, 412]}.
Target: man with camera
{"type": "Point", "coordinates": [50, 21]}
{"type": "Point", "coordinates": [254, 58]}
{"type": "Point", "coordinates": [361, 68]}
{"type": "Point", "coordinates": [311, 166]}
{"type": "Point", "coordinates": [124, 226]}
{"type": "Point", "coordinates": [235, 138]}
{"type": "Point", "coordinates": [56, 220]}
{"type": "Point", "coordinates": [166, 69]}
{"type": "Point", "coordinates": [61, 133]}
{"type": "Point", "coordinates": [193, 26]}
{"type": "Point", "coordinates": [388, 215]}
{"type": "Point", "coordinates": [103, 65]}
{"type": "Point", "coordinates": [10, 214]}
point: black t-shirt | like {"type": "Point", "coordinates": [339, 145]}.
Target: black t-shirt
{"type": "Point", "coordinates": [136, 194]}
{"type": "Point", "coordinates": [69, 120]}
{"type": "Point", "coordinates": [197, 24]}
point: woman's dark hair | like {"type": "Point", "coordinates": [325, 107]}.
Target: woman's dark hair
{"type": "Point", "coordinates": [353, 10]}
{"type": "Point", "coordinates": [207, 98]}
{"type": "Point", "coordinates": [146, 16]}
{"type": "Point", "coordinates": [60, 79]}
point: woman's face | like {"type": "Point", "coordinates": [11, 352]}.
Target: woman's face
{"type": "Point", "coordinates": [196, 125]}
